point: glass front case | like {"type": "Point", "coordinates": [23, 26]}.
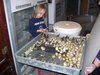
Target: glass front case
{"type": "Point", "coordinates": [49, 58]}
{"type": "Point", "coordinates": [21, 22]}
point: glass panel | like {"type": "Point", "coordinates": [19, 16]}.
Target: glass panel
{"type": "Point", "coordinates": [21, 19]}
{"type": "Point", "coordinates": [21, 22]}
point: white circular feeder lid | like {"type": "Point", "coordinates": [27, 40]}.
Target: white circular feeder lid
{"type": "Point", "coordinates": [67, 27]}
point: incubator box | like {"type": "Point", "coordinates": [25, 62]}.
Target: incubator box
{"type": "Point", "coordinates": [51, 52]}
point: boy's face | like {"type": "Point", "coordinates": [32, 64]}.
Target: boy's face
{"type": "Point", "coordinates": [40, 13]}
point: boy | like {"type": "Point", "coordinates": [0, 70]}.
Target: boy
{"type": "Point", "coordinates": [36, 23]}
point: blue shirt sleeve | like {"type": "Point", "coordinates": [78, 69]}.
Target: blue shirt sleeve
{"type": "Point", "coordinates": [44, 26]}
{"type": "Point", "coordinates": [98, 55]}
{"type": "Point", "coordinates": [32, 30]}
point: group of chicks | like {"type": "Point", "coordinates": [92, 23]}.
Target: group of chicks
{"type": "Point", "coordinates": [67, 49]}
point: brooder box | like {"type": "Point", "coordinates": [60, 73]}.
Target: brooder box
{"type": "Point", "coordinates": [54, 53]}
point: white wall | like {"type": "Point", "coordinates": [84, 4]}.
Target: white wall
{"type": "Point", "coordinates": [51, 10]}
{"type": "Point", "coordinates": [93, 45]}
{"type": "Point", "coordinates": [17, 5]}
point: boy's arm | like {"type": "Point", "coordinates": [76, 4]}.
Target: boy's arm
{"type": "Point", "coordinates": [96, 63]}
{"type": "Point", "coordinates": [97, 60]}
{"type": "Point", "coordinates": [40, 30]}
{"type": "Point", "coordinates": [31, 28]}
{"type": "Point", "coordinates": [98, 55]}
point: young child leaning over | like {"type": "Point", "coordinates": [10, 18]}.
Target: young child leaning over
{"type": "Point", "coordinates": [36, 23]}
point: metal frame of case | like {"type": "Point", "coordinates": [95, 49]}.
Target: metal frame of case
{"type": "Point", "coordinates": [12, 33]}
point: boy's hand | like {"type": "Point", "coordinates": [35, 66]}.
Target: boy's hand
{"type": "Point", "coordinates": [45, 30]}
{"type": "Point", "coordinates": [40, 30]}
{"type": "Point", "coordinates": [89, 69]}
